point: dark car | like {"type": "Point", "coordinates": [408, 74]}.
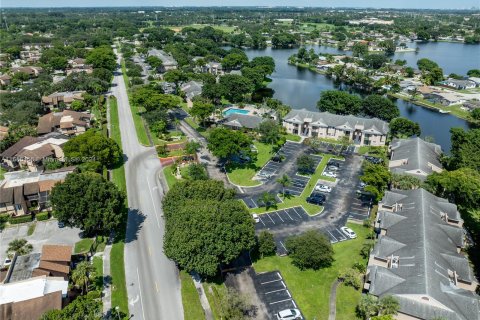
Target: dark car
{"type": "Point", "coordinates": [318, 195]}
{"type": "Point", "coordinates": [374, 160]}
{"type": "Point", "coordinates": [277, 159]}
{"type": "Point", "coordinates": [315, 200]}
{"type": "Point", "coordinates": [333, 163]}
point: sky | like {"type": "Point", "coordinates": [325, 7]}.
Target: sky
{"type": "Point", "coordinates": [430, 4]}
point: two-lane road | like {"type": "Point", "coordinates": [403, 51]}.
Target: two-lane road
{"type": "Point", "coordinates": [152, 280]}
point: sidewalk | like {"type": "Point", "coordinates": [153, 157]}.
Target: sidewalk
{"type": "Point", "coordinates": [203, 297]}
{"type": "Point", "coordinates": [107, 281]}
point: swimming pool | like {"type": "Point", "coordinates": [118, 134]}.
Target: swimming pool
{"type": "Point", "coordinates": [235, 110]}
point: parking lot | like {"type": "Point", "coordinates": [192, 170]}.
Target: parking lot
{"type": "Point", "coordinates": [274, 293]}
{"type": "Point", "coordinates": [327, 147]}
{"type": "Point", "coordinates": [297, 185]}
{"type": "Point", "coordinates": [46, 232]}
{"type": "Point", "coordinates": [360, 208]}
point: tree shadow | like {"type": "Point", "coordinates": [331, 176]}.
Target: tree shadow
{"type": "Point", "coordinates": [136, 219]}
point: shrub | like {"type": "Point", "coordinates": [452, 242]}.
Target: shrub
{"type": "Point", "coordinates": [311, 250]}
{"type": "Point", "coordinates": [351, 277]}
{"type": "Point", "coordinates": [22, 219]}
{"type": "Point", "coordinates": [360, 267]}
{"type": "Point", "coordinates": [42, 216]}
{"type": "Point", "coordinates": [266, 244]}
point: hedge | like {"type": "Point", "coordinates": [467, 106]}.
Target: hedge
{"type": "Point", "coordinates": [17, 220]}
{"type": "Point", "coordinates": [42, 216]}
{"type": "Point", "coordinates": [4, 217]}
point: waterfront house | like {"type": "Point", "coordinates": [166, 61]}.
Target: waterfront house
{"type": "Point", "coordinates": [418, 258]}
{"type": "Point", "coordinates": [414, 157]}
{"type": "Point", "coordinates": [361, 131]}
{"type": "Point", "coordinates": [459, 84]}
{"type": "Point", "coordinates": [445, 98]}
{"type": "Point", "coordinates": [475, 80]}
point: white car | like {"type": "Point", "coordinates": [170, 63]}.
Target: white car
{"type": "Point", "coordinates": [7, 262]}
{"type": "Point", "coordinates": [289, 314]}
{"type": "Point", "coordinates": [329, 174]}
{"type": "Point", "coordinates": [323, 188]}
{"type": "Point", "coordinates": [349, 232]}
{"type": "Point", "coordinates": [264, 175]}
{"type": "Point", "coordinates": [256, 218]}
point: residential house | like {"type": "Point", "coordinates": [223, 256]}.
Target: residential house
{"type": "Point", "coordinates": [475, 80]}
{"type": "Point", "coordinates": [56, 99]}
{"type": "Point", "coordinates": [23, 192]}
{"type": "Point", "coordinates": [32, 152]}
{"type": "Point", "coordinates": [459, 84]}
{"type": "Point", "coordinates": [192, 89]}
{"type": "Point", "coordinates": [67, 122]}
{"type": "Point", "coordinates": [30, 56]}
{"type": "Point", "coordinates": [214, 68]}
{"type": "Point", "coordinates": [32, 72]}
{"type": "Point", "coordinates": [362, 131]}
{"type": "Point", "coordinates": [417, 258]}
{"type": "Point", "coordinates": [168, 62]}
{"type": "Point", "coordinates": [472, 104]}
{"type": "Point", "coordinates": [445, 98]}
{"type": "Point", "coordinates": [31, 298]}
{"type": "Point", "coordinates": [414, 157]}
{"type": "Point", "coordinates": [238, 121]}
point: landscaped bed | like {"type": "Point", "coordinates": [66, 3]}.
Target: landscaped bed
{"type": "Point", "coordinates": [311, 289]}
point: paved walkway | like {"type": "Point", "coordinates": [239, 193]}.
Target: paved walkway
{"type": "Point", "coordinates": [107, 281]}
{"type": "Point", "coordinates": [333, 301]}
{"type": "Point", "coordinates": [203, 297]}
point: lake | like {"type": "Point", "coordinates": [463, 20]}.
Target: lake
{"type": "Point", "coordinates": [301, 88]}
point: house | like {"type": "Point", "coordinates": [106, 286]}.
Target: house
{"type": "Point", "coordinates": [417, 258]}
{"type": "Point", "coordinates": [31, 152]}
{"type": "Point", "coordinates": [472, 104]}
{"type": "Point", "coordinates": [23, 192]}
{"type": "Point", "coordinates": [214, 68]}
{"type": "Point", "coordinates": [5, 79]}
{"type": "Point", "coordinates": [459, 84]}
{"type": "Point", "coordinates": [3, 132]}
{"type": "Point", "coordinates": [56, 99]}
{"type": "Point", "coordinates": [192, 89]}
{"type": "Point", "coordinates": [32, 72]}
{"type": "Point", "coordinates": [30, 56]}
{"type": "Point", "coordinates": [86, 69]}
{"type": "Point", "coordinates": [362, 131]}
{"type": "Point", "coordinates": [414, 157]}
{"type": "Point", "coordinates": [67, 122]}
{"type": "Point", "coordinates": [77, 63]}
{"type": "Point", "coordinates": [31, 298]}
{"type": "Point", "coordinates": [445, 98]}
{"type": "Point", "coordinates": [238, 121]}
{"type": "Point", "coordinates": [168, 62]}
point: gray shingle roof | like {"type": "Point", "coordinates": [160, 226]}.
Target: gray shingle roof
{"type": "Point", "coordinates": [327, 119]}
{"type": "Point", "coordinates": [418, 153]}
{"type": "Point", "coordinates": [426, 247]}
{"type": "Point", "coordinates": [239, 120]}
{"type": "Point", "coordinates": [167, 59]}
{"type": "Point", "coordinates": [192, 89]}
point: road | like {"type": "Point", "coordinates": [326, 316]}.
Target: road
{"type": "Point", "coordinates": [152, 279]}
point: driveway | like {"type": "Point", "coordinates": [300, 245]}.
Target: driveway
{"type": "Point", "coordinates": [46, 232]}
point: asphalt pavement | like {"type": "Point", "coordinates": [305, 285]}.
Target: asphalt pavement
{"type": "Point", "coordinates": [152, 279]}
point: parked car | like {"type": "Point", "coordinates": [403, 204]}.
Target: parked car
{"type": "Point", "coordinates": [318, 195]}
{"type": "Point", "coordinates": [349, 232]}
{"type": "Point", "coordinates": [315, 200]}
{"type": "Point", "coordinates": [333, 168]}
{"type": "Point", "coordinates": [276, 159]}
{"type": "Point", "coordinates": [333, 163]}
{"type": "Point", "coordinates": [256, 218]}
{"type": "Point", "coordinates": [264, 175]}
{"type": "Point", "coordinates": [373, 160]}
{"type": "Point", "coordinates": [289, 314]}
{"type": "Point", "coordinates": [362, 185]}
{"type": "Point", "coordinates": [323, 188]}
{"type": "Point", "coordinates": [7, 262]}
{"type": "Point", "coordinates": [329, 174]}
{"type": "Point", "coordinates": [61, 224]}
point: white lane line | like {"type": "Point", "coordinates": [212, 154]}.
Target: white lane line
{"type": "Point", "coordinates": [275, 291]}
{"type": "Point", "coordinates": [256, 205]}
{"type": "Point", "coordinates": [270, 281]}
{"type": "Point", "coordinates": [281, 301]}
{"type": "Point", "coordinates": [259, 218]}
{"type": "Point", "coordinates": [279, 216]}
{"type": "Point", "coordinates": [288, 214]}
{"type": "Point", "coordinates": [140, 292]}
{"type": "Point", "coordinates": [270, 218]}
{"type": "Point", "coordinates": [153, 202]}
{"type": "Point", "coordinates": [283, 246]}
{"type": "Point", "coordinates": [332, 236]}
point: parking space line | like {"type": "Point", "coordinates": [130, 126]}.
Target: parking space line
{"type": "Point", "coordinates": [275, 291]}
{"type": "Point", "coordinates": [256, 205]}
{"type": "Point", "coordinates": [332, 236]}
{"type": "Point", "coordinates": [295, 209]}
{"type": "Point", "coordinates": [281, 300]}
{"type": "Point", "coordinates": [268, 215]}
{"type": "Point", "coordinates": [262, 283]}
{"type": "Point", "coordinates": [283, 246]}
{"type": "Point", "coordinates": [288, 214]}
{"type": "Point", "coordinates": [259, 218]}
{"type": "Point", "coordinates": [279, 216]}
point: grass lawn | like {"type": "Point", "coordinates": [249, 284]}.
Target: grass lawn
{"type": "Point", "coordinates": [31, 229]}
{"type": "Point", "coordinates": [118, 173]}
{"type": "Point", "coordinates": [215, 292]}
{"type": "Point", "coordinates": [169, 177]}
{"type": "Point", "coordinates": [311, 289]}
{"type": "Point", "coordinates": [117, 271]}
{"type": "Point", "coordinates": [98, 266]}
{"type": "Point", "coordinates": [2, 172]}
{"type": "Point", "coordinates": [302, 199]}
{"type": "Point", "coordinates": [140, 128]}
{"type": "Point", "coordinates": [242, 174]}
{"type": "Point", "coordinates": [192, 308]}
{"type": "Point", "coordinates": [292, 137]}
{"type": "Point", "coordinates": [83, 245]}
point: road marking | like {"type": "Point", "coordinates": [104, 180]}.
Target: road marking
{"type": "Point", "coordinates": [270, 281]}
{"type": "Point", "coordinates": [275, 291]}
{"type": "Point", "coordinates": [281, 301]}
{"type": "Point", "coordinates": [140, 292]}
{"type": "Point", "coordinates": [279, 216]}
{"type": "Point", "coordinates": [156, 285]}
{"type": "Point", "coordinates": [283, 246]}
{"type": "Point", "coordinates": [153, 202]}
{"type": "Point", "coordinates": [268, 215]}
{"type": "Point", "coordinates": [149, 250]}
{"type": "Point", "coordinates": [332, 236]}
{"type": "Point", "coordinates": [288, 214]}
{"type": "Point", "coordinates": [261, 221]}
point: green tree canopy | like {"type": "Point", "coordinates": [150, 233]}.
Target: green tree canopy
{"type": "Point", "coordinates": [380, 107]}
{"type": "Point", "coordinates": [359, 49]}
{"type": "Point", "coordinates": [266, 62]}
{"type": "Point", "coordinates": [404, 128]}
{"type": "Point", "coordinates": [473, 73]}
{"type": "Point", "coordinates": [225, 143]}
{"type": "Point", "coordinates": [374, 60]}
{"type": "Point", "coordinates": [202, 109]}
{"type": "Point", "coordinates": [87, 307]}
{"type": "Point", "coordinates": [339, 102]}
{"type": "Point", "coordinates": [465, 149]}
{"type": "Point", "coordinates": [310, 250]}
{"type": "Point", "coordinates": [102, 57]}
{"type": "Point", "coordinates": [306, 164]}
{"type": "Point", "coordinates": [266, 244]}
{"type": "Point", "coordinates": [270, 131]}
{"type": "Point", "coordinates": [234, 87]}
{"type": "Point", "coordinates": [89, 202]}
{"type": "Point", "coordinates": [92, 146]}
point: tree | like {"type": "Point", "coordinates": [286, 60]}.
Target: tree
{"type": "Point", "coordinates": [359, 49]}
{"type": "Point", "coordinates": [212, 91]}
{"type": "Point", "coordinates": [306, 164]}
{"type": "Point", "coordinates": [234, 87]}
{"type": "Point", "coordinates": [473, 73]}
{"type": "Point", "coordinates": [176, 76]}
{"type": "Point", "coordinates": [266, 62]}
{"type": "Point", "coordinates": [102, 57]}
{"type": "Point", "coordinates": [256, 75]}
{"type": "Point", "coordinates": [377, 177]}
{"type": "Point", "coordinates": [270, 131]}
{"type": "Point", "coordinates": [234, 60]}
{"type": "Point", "coordinates": [92, 146]}
{"type": "Point", "coordinates": [404, 128]}
{"type": "Point", "coordinates": [86, 307]}
{"type": "Point", "coordinates": [425, 64]}
{"type": "Point", "coordinates": [409, 72]}
{"type": "Point", "coordinates": [284, 181]}
{"type": "Point", "coordinates": [388, 46]}
{"type": "Point", "coordinates": [374, 60]}
{"type": "Point", "coordinates": [192, 147]}
{"type": "Point", "coordinates": [380, 107]}
{"type": "Point", "coordinates": [19, 246]}
{"type": "Point", "coordinates": [225, 143]}
{"type": "Point", "coordinates": [266, 244]}
{"type": "Point", "coordinates": [475, 114]}
{"type": "Point", "coordinates": [351, 277]}
{"type": "Point", "coordinates": [339, 102]}
{"type": "Point", "coordinates": [267, 200]}
{"type": "Point", "coordinates": [234, 306]}
{"type": "Point", "coordinates": [89, 202]}
{"type": "Point", "coordinates": [368, 306]}
{"type": "Point", "coordinates": [405, 182]}
{"type": "Point", "coordinates": [310, 250]}
{"type": "Point", "coordinates": [388, 305]}
{"type": "Point", "coordinates": [205, 226]}
{"type": "Point", "coordinates": [196, 171]}
{"type": "Point", "coordinates": [201, 110]}
{"type": "Point", "coordinates": [465, 146]}
{"type": "Point", "coordinates": [82, 274]}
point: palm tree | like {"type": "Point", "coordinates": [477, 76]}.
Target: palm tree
{"type": "Point", "coordinates": [20, 246]}
{"type": "Point", "coordinates": [284, 181]}
{"type": "Point", "coordinates": [268, 200]}
{"type": "Point", "coordinates": [82, 274]}
{"type": "Point", "coordinates": [388, 305]}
